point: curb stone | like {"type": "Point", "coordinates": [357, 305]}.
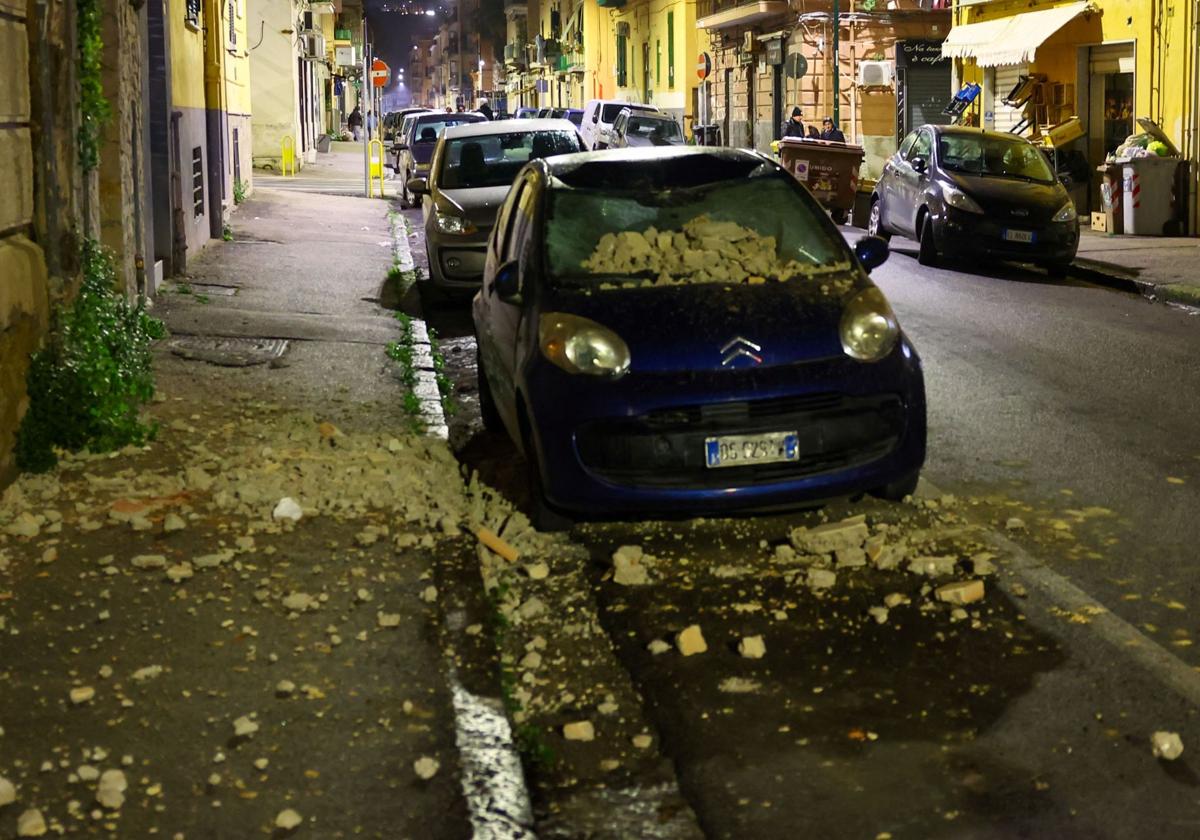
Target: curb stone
{"type": "Point", "coordinates": [1106, 274]}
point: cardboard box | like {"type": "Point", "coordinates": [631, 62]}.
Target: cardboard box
{"type": "Point", "coordinates": [1100, 222]}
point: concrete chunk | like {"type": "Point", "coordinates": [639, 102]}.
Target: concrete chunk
{"type": "Point", "coordinates": [932, 566]}
{"type": "Point", "coordinates": [1166, 745]}
{"type": "Point", "coordinates": [752, 647]}
{"type": "Point", "coordinates": [579, 731]}
{"type": "Point", "coordinates": [831, 537]}
{"type": "Point", "coordinates": [691, 641]}
{"type": "Point", "coordinates": [821, 579]}
{"type": "Point", "coordinates": [960, 592]}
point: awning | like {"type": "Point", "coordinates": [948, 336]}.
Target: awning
{"type": "Point", "coordinates": [1010, 40]}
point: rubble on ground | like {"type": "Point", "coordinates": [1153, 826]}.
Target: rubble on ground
{"type": "Point", "coordinates": [1166, 745]}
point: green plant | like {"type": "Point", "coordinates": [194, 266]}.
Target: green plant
{"type": "Point", "coordinates": [445, 386]}
{"type": "Point", "coordinates": [94, 110]}
{"type": "Point", "coordinates": [227, 232]}
{"type": "Point", "coordinates": [88, 383]}
{"type": "Point", "coordinates": [239, 191]}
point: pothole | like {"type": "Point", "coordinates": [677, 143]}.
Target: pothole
{"type": "Point", "coordinates": [229, 352]}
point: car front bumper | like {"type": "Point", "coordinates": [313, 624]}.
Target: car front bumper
{"type": "Point", "coordinates": [636, 445]}
{"type": "Point", "coordinates": [456, 262]}
{"type": "Point", "coordinates": [970, 234]}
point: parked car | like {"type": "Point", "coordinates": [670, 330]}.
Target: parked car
{"type": "Point", "coordinates": [473, 168]}
{"type": "Point", "coordinates": [685, 331]}
{"type": "Point", "coordinates": [575, 115]}
{"type": "Point", "coordinates": [526, 113]}
{"type": "Point", "coordinates": [416, 148]}
{"type": "Point", "coordinates": [967, 192]}
{"type": "Point", "coordinates": [393, 121]}
{"type": "Point", "coordinates": [638, 128]}
{"type": "Point", "coordinates": [395, 150]}
{"type": "Point", "coordinates": [599, 116]}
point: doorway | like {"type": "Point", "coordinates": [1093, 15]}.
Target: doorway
{"type": "Point", "coordinates": [725, 139]}
{"type": "Point", "coordinates": [777, 102]}
{"type": "Point", "coordinates": [1110, 105]}
{"type": "Point", "coordinates": [751, 110]}
{"type": "Point", "coordinates": [646, 72]}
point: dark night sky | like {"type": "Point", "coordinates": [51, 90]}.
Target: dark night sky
{"type": "Point", "coordinates": [396, 33]}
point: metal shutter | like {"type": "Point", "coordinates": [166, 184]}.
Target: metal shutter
{"type": "Point", "coordinates": [1111, 58]}
{"type": "Point", "coordinates": [926, 92]}
{"type": "Point", "coordinates": [1006, 118]}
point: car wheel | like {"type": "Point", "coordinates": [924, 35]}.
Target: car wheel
{"type": "Point", "coordinates": [897, 490]}
{"type": "Point", "coordinates": [839, 216]}
{"type": "Point", "coordinates": [543, 517]}
{"type": "Point", "coordinates": [875, 222]}
{"type": "Point", "coordinates": [1058, 270]}
{"type": "Point", "coordinates": [487, 403]}
{"type": "Point", "coordinates": [928, 253]}
{"type": "Point", "coordinates": [405, 199]}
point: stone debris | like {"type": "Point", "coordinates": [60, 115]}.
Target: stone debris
{"type": "Point", "coordinates": [630, 566]}
{"type": "Point", "coordinates": [8, 792]}
{"type": "Point", "coordinates": [895, 599]}
{"type": "Point", "coordinates": [364, 596]}
{"type": "Point", "coordinates": [690, 641]}
{"type": "Point", "coordinates": [173, 522]}
{"type": "Point", "coordinates": [531, 609]}
{"type": "Point", "coordinates": [831, 537]}
{"type": "Point", "coordinates": [244, 727]}
{"type": "Point", "coordinates": [388, 620]}
{"type": "Point", "coordinates": [149, 561]}
{"type": "Point", "coordinates": [211, 561]}
{"type": "Point", "coordinates": [658, 646]}
{"type": "Point", "coordinates": [537, 571]}
{"type": "Point", "coordinates": [982, 565]}
{"type": "Point", "coordinates": [111, 791]}
{"type": "Point", "coordinates": [180, 572]}
{"type": "Point", "coordinates": [429, 594]}
{"type": "Point", "coordinates": [299, 602]}
{"type": "Point", "coordinates": [25, 525]}
{"type": "Point", "coordinates": [148, 673]}
{"type": "Point", "coordinates": [819, 579]}
{"type": "Point", "coordinates": [531, 661]}
{"type": "Point", "coordinates": [643, 741]}
{"type": "Point", "coordinates": [960, 592]}
{"type": "Point", "coordinates": [739, 685]}
{"type": "Point", "coordinates": [1015, 523]}
{"type": "Point", "coordinates": [426, 768]}
{"type": "Point", "coordinates": [940, 566]}
{"type": "Point", "coordinates": [880, 614]}
{"type": "Point", "coordinates": [261, 763]}
{"type": "Point", "coordinates": [31, 823]}
{"type": "Point", "coordinates": [288, 819]}
{"type": "Point", "coordinates": [1166, 745]}
{"type": "Point", "coordinates": [752, 647]}
{"type": "Point", "coordinates": [287, 509]}
{"type": "Point", "coordinates": [87, 773]}
{"type": "Point", "coordinates": [284, 688]}
{"type": "Point", "coordinates": [579, 731]}
{"type": "Point", "coordinates": [850, 558]}
{"type": "Point", "coordinates": [82, 694]}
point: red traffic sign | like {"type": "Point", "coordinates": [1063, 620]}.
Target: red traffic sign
{"type": "Point", "coordinates": [381, 74]}
{"type": "Point", "coordinates": [704, 66]}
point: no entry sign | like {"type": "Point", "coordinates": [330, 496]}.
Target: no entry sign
{"type": "Point", "coordinates": [381, 74]}
{"type": "Point", "coordinates": [704, 66]}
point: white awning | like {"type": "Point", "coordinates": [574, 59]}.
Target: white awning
{"type": "Point", "coordinates": [1010, 40]}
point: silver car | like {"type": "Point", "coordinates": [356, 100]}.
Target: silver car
{"type": "Point", "coordinates": [641, 128]}
{"type": "Point", "coordinates": [472, 169]}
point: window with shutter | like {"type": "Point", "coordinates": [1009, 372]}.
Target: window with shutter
{"type": "Point", "coordinates": [670, 49]}
{"type": "Point", "coordinates": [232, 7]}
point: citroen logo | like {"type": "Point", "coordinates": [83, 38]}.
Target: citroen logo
{"type": "Point", "coordinates": [739, 347]}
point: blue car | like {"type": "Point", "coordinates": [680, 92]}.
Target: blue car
{"type": "Point", "coordinates": [683, 331]}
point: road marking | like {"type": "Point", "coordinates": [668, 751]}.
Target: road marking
{"type": "Point", "coordinates": [1132, 643]}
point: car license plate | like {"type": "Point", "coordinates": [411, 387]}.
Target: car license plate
{"type": "Point", "coordinates": [745, 450]}
{"type": "Point", "coordinates": [1019, 235]}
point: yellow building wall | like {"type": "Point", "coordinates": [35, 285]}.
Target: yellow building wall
{"type": "Point", "coordinates": [237, 62]}
{"type": "Point", "coordinates": [187, 59]}
{"type": "Point", "coordinates": [648, 24]}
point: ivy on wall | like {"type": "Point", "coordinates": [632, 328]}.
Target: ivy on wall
{"type": "Point", "coordinates": [94, 110]}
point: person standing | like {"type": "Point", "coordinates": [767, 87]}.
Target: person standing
{"type": "Point", "coordinates": [354, 121]}
{"type": "Point", "coordinates": [372, 121]}
{"type": "Point", "coordinates": [829, 131]}
{"type": "Point", "coordinates": [486, 110]}
{"type": "Point", "coordinates": [795, 126]}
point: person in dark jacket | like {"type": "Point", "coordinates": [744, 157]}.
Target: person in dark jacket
{"type": "Point", "coordinates": [795, 126]}
{"type": "Point", "coordinates": [486, 110]}
{"type": "Point", "coordinates": [813, 134]}
{"type": "Point", "coordinates": [832, 132]}
{"type": "Point", "coordinates": [354, 123]}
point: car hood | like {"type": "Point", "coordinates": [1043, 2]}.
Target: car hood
{"type": "Point", "coordinates": [689, 327]}
{"type": "Point", "coordinates": [1010, 199]}
{"type": "Point", "coordinates": [478, 205]}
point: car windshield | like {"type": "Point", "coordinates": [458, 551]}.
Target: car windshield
{"type": "Point", "coordinates": [406, 126]}
{"type": "Point", "coordinates": [977, 154]}
{"type": "Point", "coordinates": [494, 160]}
{"type": "Point", "coordinates": [752, 230]}
{"type": "Point", "coordinates": [610, 111]}
{"type": "Point", "coordinates": [576, 117]}
{"type": "Point", "coordinates": [429, 130]}
{"type": "Point", "coordinates": [652, 128]}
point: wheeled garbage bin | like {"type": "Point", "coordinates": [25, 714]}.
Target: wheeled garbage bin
{"type": "Point", "coordinates": [1148, 187]}
{"type": "Point", "coordinates": [828, 169]}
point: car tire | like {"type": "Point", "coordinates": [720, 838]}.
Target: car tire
{"type": "Point", "coordinates": [875, 222]}
{"type": "Point", "coordinates": [544, 518]}
{"type": "Point", "coordinates": [927, 254]}
{"type": "Point", "coordinates": [1058, 270]}
{"type": "Point", "coordinates": [405, 200]}
{"type": "Point", "coordinates": [839, 216]}
{"type": "Point", "coordinates": [896, 491]}
{"type": "Point", "coordinates": [487, 403]}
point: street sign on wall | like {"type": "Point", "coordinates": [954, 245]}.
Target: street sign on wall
{"type": "Point", "coordinates": [704, 66]}
{"type": "Point", "coordinates": [381, 74]}
{"type": "Point", "coordinates": [796, 65]}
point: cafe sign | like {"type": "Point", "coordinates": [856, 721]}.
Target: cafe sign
{"type": "Point", "coordinates": [911, 54]}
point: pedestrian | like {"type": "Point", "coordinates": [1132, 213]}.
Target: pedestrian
{"type": "Point", "coordinates": [449, 110]}
{"type": "Point", "coordinates": [486, 110]}
{"type": "Point", "coordinates": [813, 134]}
{"type": "Point", "coordinates": [829, 131]}
{"type": "Point", "coordinates": [355, 123]}
{"type": "Point", "coordinates": [372, 120]}
{"type": "Point", "coordinates": [795, 126]}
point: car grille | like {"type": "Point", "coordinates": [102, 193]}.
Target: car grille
{"type": "Point", "coordinates": [665, 448]}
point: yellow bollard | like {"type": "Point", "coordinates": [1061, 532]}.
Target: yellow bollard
{"type": "Point", "coordinates": [375, 168]}
{"type": "Point", "coordinates": [287, 154]}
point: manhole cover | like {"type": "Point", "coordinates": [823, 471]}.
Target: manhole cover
{"type": "Point", "coordinates": [229, 352]}
{"type": "Point", "coordinates": [211, 289]}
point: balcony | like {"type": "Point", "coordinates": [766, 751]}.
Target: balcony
{"type": "Point", "coordinates": [514, 55]}
{"type": "Point", "coordinates": [513, 8]}
{"type": "Point", "coordinates": [726, 14]}
{"type": "Point", "coordinates": [571, 62]}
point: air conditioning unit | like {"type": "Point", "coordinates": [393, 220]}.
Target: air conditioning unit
{"type": "Point", "coordinates": [312, 47]}
{"type": "Point", "coordinates": [308, 27]}
{"type": "Point", "coordinates": [622, 29]}
{"type": "Point", "coordinates": [874, 74]}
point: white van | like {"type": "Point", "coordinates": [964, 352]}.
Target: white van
{"type": "Point", "coordinates": [599, 116]}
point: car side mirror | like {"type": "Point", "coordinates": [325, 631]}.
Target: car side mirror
{"type": "Point", "coordinates": [919, 164]}
{"type": "Point", "coordinates": [872, 252]}
{"type": "Point", "coordinates": [1066, 181]}
{"type": "Point", "coordinates": [507, 282]}
{"type": "Point", "coordinates": [418, 186]}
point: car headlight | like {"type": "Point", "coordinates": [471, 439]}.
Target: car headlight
{"type": "Point", "coordinates": [456, 225]}
{"type": "Point", "coordinates": [579, 345]}
{"type": "Point", "coordinates": [869, 328]}
{"type": "Point", "coordinates": [960, 200]}
{"type": "Point", "coordinates": [1067, 213]}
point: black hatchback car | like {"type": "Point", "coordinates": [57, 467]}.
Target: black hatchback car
{"type": "Point", "coordinates": [963, 191]}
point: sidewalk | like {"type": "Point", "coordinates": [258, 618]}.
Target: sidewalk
{"type": "Point", "coordinates": [1160, 268]}
{"type": "Point", "coordinates": [336, 172]}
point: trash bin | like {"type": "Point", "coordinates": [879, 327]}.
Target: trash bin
{"type": "Point", "coordinates": [828, 169]}
{"type": "Point", "coordinates": [1110, 197]}
{"type": "Point", "coordinates": [1148, 185]}
{"type": "Point", "coordinates": [707, 135]}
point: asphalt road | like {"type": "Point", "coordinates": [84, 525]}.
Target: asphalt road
{"type": "Point", "coordinates": [1069, 407]}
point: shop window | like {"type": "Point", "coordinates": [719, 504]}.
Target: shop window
{"type": "Point", "coordinates": [670, 49]}
{"type": "Point", "coordinates": [191, 14]}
